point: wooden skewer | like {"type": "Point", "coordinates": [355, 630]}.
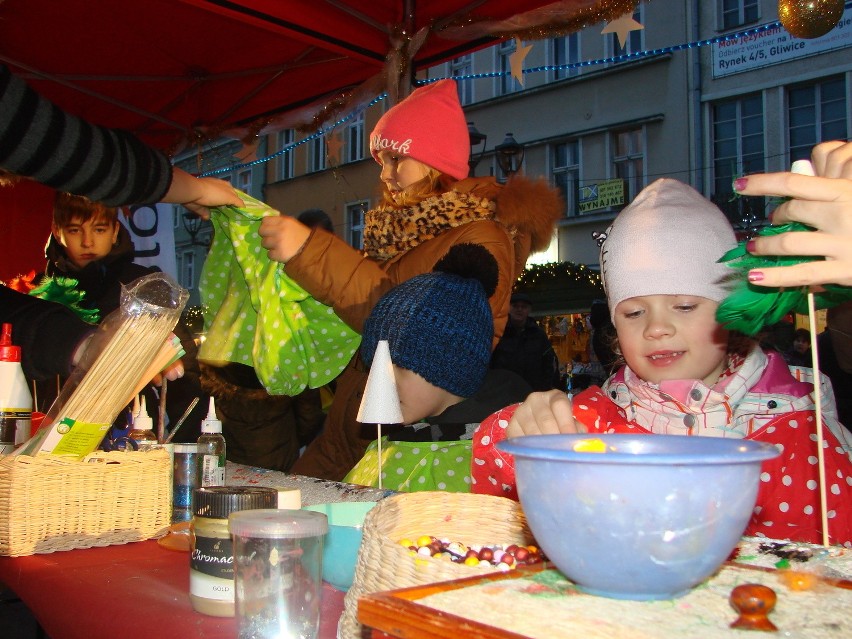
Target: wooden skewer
{"type": "Point", "coordinates": [823, 498]}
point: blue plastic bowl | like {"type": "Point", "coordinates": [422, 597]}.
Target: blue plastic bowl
{"type": "Point", "coordinates": [648, 518]}
{"type": "Point", "coordinates": [340, 550]}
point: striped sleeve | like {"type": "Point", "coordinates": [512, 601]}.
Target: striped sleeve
{"type": "Point", "coordinates": [40, 141]}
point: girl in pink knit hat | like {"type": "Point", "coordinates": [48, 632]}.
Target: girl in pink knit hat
{"type": "Point", "coordinates": [684, 374]}
{"type": "Point", "coordinates": [428, 204]}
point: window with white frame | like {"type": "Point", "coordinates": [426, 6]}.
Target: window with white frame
{"type": "Point", "coordinates": [285, 161]}
{"type": "Point", "coordinates": [565, 51]}
{"type": "Point", "coordinates": [738, 149]}
{"type": "Point", "coordinates": [355, 223]}
{"type": "Point", "coordinates": [506, 84]}
{"type": "Point", "coordinates": [735, 13]}
{"type": "Point", "coordinates": [565, 159]}
{"type": "Point", "coordinates": [187, 270]}
{"type": "Point", "coordinates": [462, 67]}
{"type": "Point", "coordinates": [355, 138]}
{"type": "Point", "coordinates": [244, 181]}
{"type": "Point", "coordinates": [316, 154]}
{"type": "Point", "coordinates": [816, 113]}
{"type": "Point", "coordinates": [635, 39]}
{"type": "Point", "coordinates": [628, 160]}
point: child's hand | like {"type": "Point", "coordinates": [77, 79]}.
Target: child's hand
{"type": "Point", "coordinates": [823, 202]}
{"type": "Point", "coordinates": [548, 413]}
{"type": "Point", "coordinates": [283, 237]}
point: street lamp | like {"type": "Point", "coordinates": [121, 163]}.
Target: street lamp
{"type": "Point", "coordinates": [510, 155]}
{"type": "Point", "coordinates": [192, 224]}
{"type": "Point", "coordinates": [476, 152]}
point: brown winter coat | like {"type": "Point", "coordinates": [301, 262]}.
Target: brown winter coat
{"type": "Point", "coordinates": [342, 277]}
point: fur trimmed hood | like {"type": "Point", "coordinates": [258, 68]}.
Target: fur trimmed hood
{"type": "Point", "coordinates": [528, 207]}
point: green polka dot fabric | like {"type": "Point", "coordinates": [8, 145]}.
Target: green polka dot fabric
{"type": "Point", "coordinates": [415, 466]}
{"type": "Point", "coordinates": [256, 315]}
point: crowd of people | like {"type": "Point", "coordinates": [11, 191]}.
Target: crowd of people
{"type": "Point", "coordinates": [435, 278]}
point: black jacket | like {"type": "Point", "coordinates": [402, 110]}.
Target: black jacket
{"type": "Point", "coordinates": [527, 351]}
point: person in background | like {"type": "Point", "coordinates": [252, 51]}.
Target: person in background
{"type": "Point", "coordinates": [685, 374]}
{"type": "Point", "coordinates": [91, 253]}
{"type": "Point", "coordinates": [428, 205]}
{"type": "Point", "coordinates": [603, 336]}
{"type": "Point", "coordinates": [38, 140]}
{"type": "Point", "coordinates": [438, 327]}
{"type": "Point", "coordinates": [316, 218]}
{"type": "Point", "coordinates": [800, 353]}
{"type": "Point", "coordinates": [103, 164]}
{"type": "Point", "coordinates": [525, 348]}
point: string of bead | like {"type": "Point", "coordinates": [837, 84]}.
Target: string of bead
{"type": "Point", "coordinates": [494, 74]}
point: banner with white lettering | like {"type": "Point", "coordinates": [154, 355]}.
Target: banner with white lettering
{"type": "Point", "coordinates": [775, 46]}
{"type": "Point", "coordinates": [152, 231]}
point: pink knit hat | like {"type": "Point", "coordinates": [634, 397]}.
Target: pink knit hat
{"type": "Point", "coordinates": [429, 126]}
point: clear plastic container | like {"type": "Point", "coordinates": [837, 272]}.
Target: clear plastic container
{"type": "Point", "coordinates": [277, 572]}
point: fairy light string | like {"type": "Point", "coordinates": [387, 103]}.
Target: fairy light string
{"type": "Point", "coordinates": [637, 55]}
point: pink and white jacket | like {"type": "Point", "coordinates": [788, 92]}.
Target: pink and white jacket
{"type": "Point", "coordinates": [758, 398]}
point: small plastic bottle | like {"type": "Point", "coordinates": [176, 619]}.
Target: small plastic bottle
{"type": "Point", "coordinates": [211, 449]}
{"type": "Point", "coordinates": [143, 428]}
{"type": "Point", "coordinates": [16, 402]}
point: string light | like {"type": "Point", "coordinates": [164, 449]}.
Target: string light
{"type": "Point", "coordinates": [494, 74]}
{"type": "Point", "coordinates": [538, 274]}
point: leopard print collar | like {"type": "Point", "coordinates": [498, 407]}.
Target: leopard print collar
{"type": "Point", "coordinates": [389, 232]}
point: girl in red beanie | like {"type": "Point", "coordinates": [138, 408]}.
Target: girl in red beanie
{"type": "Point", "coordinates": [429, 204]}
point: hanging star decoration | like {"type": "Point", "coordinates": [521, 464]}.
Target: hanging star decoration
{"type": "Point", "coordinates": [622, 26]}
{"type": "Point", "coordinates": [749, 308]}
{"type": "Point", "coordinates": [334, 147]}
{"type": "Point", "coordinates": [516, 60]}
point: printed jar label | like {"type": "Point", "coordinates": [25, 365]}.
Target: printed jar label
{"type": "Point", "coordinates": [211, 573]}
{"type": "Point", "coordinates": [212, 474]}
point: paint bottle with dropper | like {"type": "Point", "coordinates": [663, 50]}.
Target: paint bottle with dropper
{"type": "Point", "coordinates": [211, 449]}
{"type": "Point", "coordinates": [16, 402]}
{"type": "Point", "coordinates": [143, 428]}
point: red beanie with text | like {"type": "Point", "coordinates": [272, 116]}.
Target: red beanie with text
{"type": "Point", "coordinates": [429, 126]}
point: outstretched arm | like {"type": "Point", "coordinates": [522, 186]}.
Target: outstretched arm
{"type": "Point", "coordinates": [197, 194]}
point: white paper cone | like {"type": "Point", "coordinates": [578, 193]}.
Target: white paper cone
{"type": "Point", "coordinates": [380, 404]}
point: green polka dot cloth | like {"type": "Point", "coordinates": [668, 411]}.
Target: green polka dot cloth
{"type": "Point", "coordinates": [415, 466]}
{"type": "Point", "coordinates": [256, 315]}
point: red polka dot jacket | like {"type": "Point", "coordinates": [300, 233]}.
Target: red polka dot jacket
{"type": "Point", "coordinates": [759, 398]}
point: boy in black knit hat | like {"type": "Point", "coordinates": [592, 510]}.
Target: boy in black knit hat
{"type": "Point", "coordinates": [438, 326]}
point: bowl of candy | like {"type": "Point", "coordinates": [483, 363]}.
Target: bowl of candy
{"type": "Point", "coordinates": [345, 530]}
{"type": "Point", "coordinates": [637, 516]}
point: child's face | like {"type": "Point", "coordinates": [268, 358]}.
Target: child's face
{"type": "Point", "coordinates": [666, 337]}
{"type": "Point", "coordinates": [400, 171]}
{"type": "Point", "coordinates": [418, 398]}
{"type": "Point", "coordinates": [87, 241]}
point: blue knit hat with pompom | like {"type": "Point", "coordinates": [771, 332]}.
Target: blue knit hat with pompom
{"type": "Point", "coordinates": [439, 324]}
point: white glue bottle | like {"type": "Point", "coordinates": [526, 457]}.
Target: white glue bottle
{"type": "Point", "coordinates": [143, 427]}
{"type": "Point", "coordinates": [211, 449]}
{"type": "Point", "coordinates": [16, 402]}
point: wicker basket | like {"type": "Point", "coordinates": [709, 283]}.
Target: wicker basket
{"type": "Point", "coordinates": [49, 504]}
{"type": "Point", "coordinates": [383, 564]}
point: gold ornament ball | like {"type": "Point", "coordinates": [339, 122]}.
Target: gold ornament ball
{"type": "Point", "coordinates": [809, 18]}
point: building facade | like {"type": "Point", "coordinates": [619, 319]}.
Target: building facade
{"type": "Point", "coordinates": [602, 118]}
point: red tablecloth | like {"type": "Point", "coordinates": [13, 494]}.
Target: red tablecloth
{"type": "Point", "coordinates": [137, 590]}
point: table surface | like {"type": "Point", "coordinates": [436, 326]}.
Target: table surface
{"type": "Point", "coordinates": [538, 602]}
{"type": "Point", "coordinates": [142, 589]}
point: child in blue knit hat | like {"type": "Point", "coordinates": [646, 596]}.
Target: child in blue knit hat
{"type": "Point", "coordinates": [438, 327]}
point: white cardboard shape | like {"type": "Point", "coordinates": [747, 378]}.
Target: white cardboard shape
{"type": "Point", "coordinates": [380, 404]}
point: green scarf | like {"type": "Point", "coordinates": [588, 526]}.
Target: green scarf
{"type": "Point", "coordinates": [256, 315]}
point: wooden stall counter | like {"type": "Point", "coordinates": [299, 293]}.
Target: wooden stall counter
{"type": "Point", "coordinates": [814, 599]}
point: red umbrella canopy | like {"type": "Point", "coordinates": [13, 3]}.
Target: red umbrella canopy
{"type": "Point", "coordinates": [169, 69]}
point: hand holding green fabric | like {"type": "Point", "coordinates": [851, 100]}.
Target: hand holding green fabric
{"type": "Point", "coordinates": [256, 315]}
